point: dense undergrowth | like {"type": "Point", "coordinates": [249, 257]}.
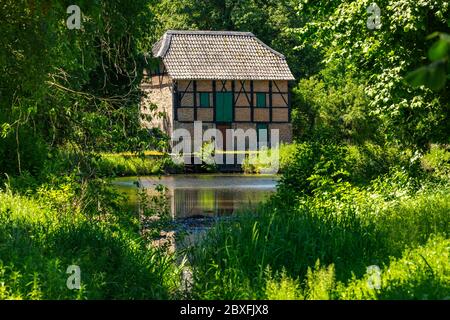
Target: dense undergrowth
{"type": "Point", "coordinates": [65, 221]}
{"type": "Point", "coordinates": [337, 213]}
{"type": "Point", "coordinates": [113, 165]}
{"type": "Point", "coordinates": [339, 210]}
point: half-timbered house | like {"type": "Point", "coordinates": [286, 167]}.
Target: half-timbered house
{"type": "Point", "coordinates": [227, 80]}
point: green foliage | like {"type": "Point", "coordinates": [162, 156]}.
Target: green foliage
{"type": "Point", "coordinates": [437, 160]}
{"type": "Point", "coordinates": [206, 154]}
{"type": "Point", "coordinates": [312, 161]}
{"type": "Point", "coordinates": [349, 229]}
{"type": "Point", "coordinates": [339, 112]}
{"type": "Point", "coordinates": [319, 283]}
{"type": "Point", "coordinates": [421, 273]}
{"type": "Point", "coordinates": [435, 75]}
{"type": "Point", "coordinates": [113, 165]}
{"type": "Point", "coordinates": [39, 243]}
{"type": "Point", "coordinates": [267, 160]}
{"type": "Point", "coordinates": [379, 59]}
{"type": "Point", "coordinates": [22, 152]}
{"type": "Point", "coordinates": [282, 288]}
{"type": "Point", "coordinates": [312, 168]}
{"type": "Point", "coordinates": [348, 207]}
{"type": "Point", "coordinates": [61, 86]}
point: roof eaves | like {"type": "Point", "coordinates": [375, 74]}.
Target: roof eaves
{"type": "Point", "coordinates": [270, 49]}
{"type": "Point", "coordinates": [165, 44]}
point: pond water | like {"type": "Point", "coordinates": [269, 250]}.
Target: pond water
{"type": "Point", "coordinates": [204, 195]}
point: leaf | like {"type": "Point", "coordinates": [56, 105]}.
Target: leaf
{"type": "Point", "coordinates": [417, 77]}
{"type": "Point", "coordinates": [433, 76]}
{"type": "Point", "coordinates": [439, 50]}
{"type": "Point", "coordinates": [437, 77]}
{"type": "Point", "coordinates": [6, 128]}
{"type": "Point", "coordinates": [433, 35]}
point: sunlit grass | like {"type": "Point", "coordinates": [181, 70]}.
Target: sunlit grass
{"type": "Point", "coordinates": [238, 259]}
{"type": "Point", "coordinates": [38, 243]}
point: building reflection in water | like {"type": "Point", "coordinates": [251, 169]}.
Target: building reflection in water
{"type": "Point", "coordinates": [212, 202]}
{"type": "Point", "coordinates": [212, 196]}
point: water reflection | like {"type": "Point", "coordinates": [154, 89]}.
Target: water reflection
{"type": "Point", "coordinates": [204, 194]}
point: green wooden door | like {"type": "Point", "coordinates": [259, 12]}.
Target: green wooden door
{"type": "Point", "coordinates": [224, 107]}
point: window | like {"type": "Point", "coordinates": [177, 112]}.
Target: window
{"type": "Point", "coordinates": [260, 100]}
{"type": "Point", "coordinates": [204, 99]}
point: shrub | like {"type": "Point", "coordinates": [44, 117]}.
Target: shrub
{"type": "Point", "coordinates": [310, 163]}
{"type": "Point", "coordinates": [437, 160]}
{"type": "Point", "coordinates": [286, 153]}
{"type": "Point", "coordinates": [26, 157]}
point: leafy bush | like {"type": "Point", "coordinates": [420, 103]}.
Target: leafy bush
{"type": "Point", "coordinates": [111, 165]}
{"type": "Point", "coordinates": [332, 111]}
{"type": "Point", "coordinates": [24, 153]}
{"type": "Point", "coordinates": [285, 154]}
{"type": "Point", "coordinates": [437, 160]}
{"type": "Point", "coordinates": [310, 163]}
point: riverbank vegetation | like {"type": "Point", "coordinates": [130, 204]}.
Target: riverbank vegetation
{"type": "Point", "coordinates": [362, 208]}
{"type": "Point", "coordinates": [58, 226]}
{"type": "Point", "coordinates": [366, 182]}
{"type": "Point", "coordinates": [316, 238]}
{"type": "Point", "coordinates": [127, 165]}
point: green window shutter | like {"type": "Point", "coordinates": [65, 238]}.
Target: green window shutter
{"type": "Point", "coordinates": [261, 100]}
{"type": "Point", "coordinates": [219, 107]}
{"type": "Point", "coordinates": [224, 107]}
{"type": "Point", "coordinates": [228, 110]}
{"type": "Point", "coordinates": [204, 99]}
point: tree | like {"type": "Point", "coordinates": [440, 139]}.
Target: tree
{"type": "Point", "coordinates": [380, 58]}
{"type": "Point", "coordinates": [61, 86]}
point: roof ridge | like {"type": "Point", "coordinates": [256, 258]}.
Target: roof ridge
{"type": "Point", "coordinates": [165, 44]}
{"type": "Point", "coordinates": [270, 49]}
{"type": "Point", "coordinates": [211, 32]}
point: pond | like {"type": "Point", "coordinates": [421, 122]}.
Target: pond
{"type": "Point", "coordinates": [204, 195]}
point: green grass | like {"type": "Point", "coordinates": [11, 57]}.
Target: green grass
{"type": "Point", "coordinates": [38, 243]}
{"type": "Point", "coordinates": [420, 273]}
{"type": "Point", "coordinates": [262, 160]}
{"type": "Point", "coordinates": [113, 165]}
{"type": "Point", "coordinates": [106, 165]}
{"type": "Point", "coordinates": [337, 212]}
{"type": "Point", "coordinates": [347, 233]}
